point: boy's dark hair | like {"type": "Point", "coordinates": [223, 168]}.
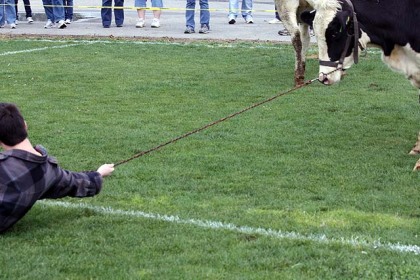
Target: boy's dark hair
{"type": "Point", "coordinates": [12, 125]}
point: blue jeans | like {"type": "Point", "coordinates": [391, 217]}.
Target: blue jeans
{"type": "Point", "coordinates": [106, 13]}
{"type": "Point", "coordinates": [142, 3]}
{"type": "Point", "coordinates": [204, 13]}
{"type": "Point", "coordinates": [234, 8]}
{"type": "Point", "coordinates": [7, 12]}
{"type": "Point", "coordinates": [54, 9]}
{"type": "Point", "coordinates": [68, 9]}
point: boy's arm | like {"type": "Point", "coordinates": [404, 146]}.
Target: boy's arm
{"type": "Point", "coordinates": [77, 184]}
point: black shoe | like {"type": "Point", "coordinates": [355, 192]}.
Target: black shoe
{"type": "Point", "coordinates": [232, 19]}
{"type": "Point", "coordinates": [284, 32]}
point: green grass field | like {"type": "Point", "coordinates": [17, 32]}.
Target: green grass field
{"type": "Point", "coordinates": [314, 185]}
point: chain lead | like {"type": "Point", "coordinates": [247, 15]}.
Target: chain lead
{"type": "Point", "coordinates": [216, 122]}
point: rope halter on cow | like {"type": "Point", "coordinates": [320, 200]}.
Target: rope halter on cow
{"type": "Point", "coordinates": [350, 36]}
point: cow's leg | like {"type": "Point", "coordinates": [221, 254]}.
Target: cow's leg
{"type": "Point", "coordinates": [416, 149]}
{"type": "Point", "coordinates": [305, 40]}
{"type": "Point", "coordinates": [288, 11]}
{"type": "Point", "coordinates": [417, 166]}
{"type": "Point", "coordinates": [299, 58]}
{"type": "Point", "coordinates": [300, 40]}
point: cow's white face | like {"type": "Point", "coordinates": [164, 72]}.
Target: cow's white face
{"type": "Point", "coordinates": [331, 37]}
{"type": "Point", "coordinates": [322, 22]}
{"type": "Point", "coordinates": [332, 27]}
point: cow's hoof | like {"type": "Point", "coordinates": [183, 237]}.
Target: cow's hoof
{"type": "Point", "coordinates": [417, 166]}
{"type": "Point", "coordinates": [414, 152]}
{"type": "Point", "coordinates": [299, 81]}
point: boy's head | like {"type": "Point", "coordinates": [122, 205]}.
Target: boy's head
{"type": "Point", "coordinates": [12, 125]}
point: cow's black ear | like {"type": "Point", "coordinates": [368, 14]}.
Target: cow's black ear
{"type": "Point", "coordinates": [308, 17]}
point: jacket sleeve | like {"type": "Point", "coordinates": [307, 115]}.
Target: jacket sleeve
{"type": "Point", "coordinates": [75, 184]}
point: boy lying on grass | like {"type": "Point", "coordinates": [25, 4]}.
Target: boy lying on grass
{"type": "Point", "coordinates": [28, 174]}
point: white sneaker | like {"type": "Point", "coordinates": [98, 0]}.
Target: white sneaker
{"type": "Point", "coordinates": [67, 21]}
{"type": "Point", "coordinates": [16, 22]}
{"type": "Point", "coordinates": [274, 21]}
{"type": "Point", "coordinates": [249, 19]}
{"type": "Point", "coordinates": [29, 20]}
{"type": "Point", "coordinates": [62, 24]}
{"type": "Point", "coordinates": [155, 23]}
{"type": "Point", "coordinates": [140, 23]}
{"type": "Point", "coordinates": [13, 26]}
{"type": "Point", "coordinates": [49, 24]}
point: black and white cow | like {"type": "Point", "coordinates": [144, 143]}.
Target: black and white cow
{"type": "Point", "coordinates": [289, 11]}
{"type": "Point", "coordinates": [344, 27]}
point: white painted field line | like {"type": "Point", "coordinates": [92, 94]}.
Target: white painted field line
{"type": "Point", "coordinates": [245, 45]}
{"type": "Point", "coordinates": [164, 43]}
{"type": "Point", "coordinates": [212, 46]}
{"type": "Point", "coordinates": [355, 241]}
{"type": "Point", "coordinates": [45, 48]}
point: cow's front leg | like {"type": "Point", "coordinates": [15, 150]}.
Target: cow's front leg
{"type": "Point", "coordinates": [416, 149]}
{"type": "Point", "coordinates": [417, 166]}
{"type": "Point", "coordinates": [299, 59]}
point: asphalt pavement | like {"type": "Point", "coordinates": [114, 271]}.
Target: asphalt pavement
{"type": "Point", "coordinates": [87, 22]}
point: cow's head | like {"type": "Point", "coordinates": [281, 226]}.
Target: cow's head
{"type": "Point", "coordinates": [337, 34]}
